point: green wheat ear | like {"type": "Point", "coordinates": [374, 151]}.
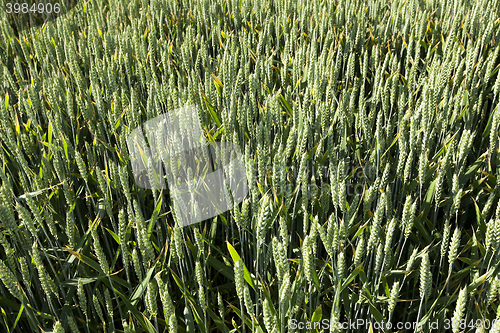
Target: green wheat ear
{"type": "Point", "coordinates": [459, 310]}
{"type": "Point", "coordinates": [455, 243]}
{"type": "Point", "coordinates": [10, 281]}
{"type": "Point", "coordinates": [58, 328]}
{"type": "Point", "coordinates": [425, 277]}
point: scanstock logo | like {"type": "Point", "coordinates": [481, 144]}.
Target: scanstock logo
{"type": "Point", "coordinates": [204, 178]}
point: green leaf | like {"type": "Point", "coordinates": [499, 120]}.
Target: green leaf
{"type": "Point", "coordinates": [65, 146]}
{"type": "Point", "coordinates": [220, 267]}
{"type": "Point", "coordinates": [318, 313]}
{"type": "Point", "coordinates": [50, 134]}
{"type": "Point", "coordinates": [420, 222]}
{"type": "Point", "coordinates": [35, 193]}
{"type": "Point", "coordinates": [472, 169]}
{"type": "Point", "coordinates": [87, 280]}
{"type": "Point", "coordinates": [17, 318]}
{"type": "Point", "coordinates": [236, 257]}
{"type": "Point", "coordinates": [377, 315]}
{"type": "Point", "coordinates": [141, 288]}
{"type": "Point", "coordinates": [145, 323]}
{"type": "Point", "coordinates": [4, 317]}
{"type": "Point", "coordinates": [115, 236]}
{"type": "Point", "coordinates": [248, 322]}
{"type": "Point", "coordinates": [156, 212]}
{"type": "Point", "coordinates": [89, 262]}
{"type": "Point", "coordinates": [218, 321]}
{"type": "Point", "coordinates": [351, 277]}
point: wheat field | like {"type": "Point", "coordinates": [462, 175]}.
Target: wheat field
{"type": "Point", "coordinates": [370, 136]}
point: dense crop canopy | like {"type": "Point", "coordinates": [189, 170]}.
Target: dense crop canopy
{"type": "Point", "coordinates": [370, 141]}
